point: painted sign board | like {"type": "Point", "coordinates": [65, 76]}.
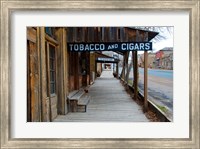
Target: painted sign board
{"type": "Point", "coordinates": [110, 46]}
{"type": "Point", "coordinates": [106, 60]}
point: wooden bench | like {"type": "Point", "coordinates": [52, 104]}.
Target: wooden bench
{"type": "Point", "coordinates": [83, 102]}
{"type": "Point", "coordinates": [77, 100]}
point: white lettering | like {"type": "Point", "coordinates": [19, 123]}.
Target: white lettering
{"type": "Point", "coordinates": [109, 47]}
{"type": "Point", "coordinates": [141, 46]}
{"type": "Point", "coordinates": [137, 46]}
{"type": "Point", "coordinates": [76, 47]}
{"type": "Point", "coordinates": [147, 46]}
{"type": "Point", "coordinates": [113, 46]}
{"type": "Point", "coordinates": [123, 48]}
{"type": "Point", "coordinates": [96, 47]}
{"type": "Point", "coordinates": [102, 47]}
{"type": "Point", "coordinates": [91, 47]}
{"type": "Point", "coordinates": [131, 46]}
{"type": "Point", "coordinates": [81, 47]}
{"type": "Point", "coordinates": [87, 47]}
{"type": "Point", "coordinates": [70, 45]}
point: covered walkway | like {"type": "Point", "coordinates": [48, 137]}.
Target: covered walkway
{"type": "Point", "coordinates": [109, 103]}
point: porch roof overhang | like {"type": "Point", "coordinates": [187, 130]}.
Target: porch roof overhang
{"type": "Point", "coordinates": [151, 34]}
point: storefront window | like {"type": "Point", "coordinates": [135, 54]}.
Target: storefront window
{"type": "Point", "coordinates": [52, 69]}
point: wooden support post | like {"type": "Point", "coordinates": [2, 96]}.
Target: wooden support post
{"type": "Point", "coordinates": [117, 70]}
{"type": "Point", "coordinates": [61, 71]}
{"type": "Point", "coordinates": [84, 76]}
{"type": "Point", "coordinates": [66, 73]}
{"type": "Point", "coordinates": [88, 68]}
{"type": "Point", "coordinates": [67, 76]}
{"type": "Point", "coordinates": [135, 66]}
{"type": "Point", "coordinates": [123, 69]}
{"type": "Point", "coordinates": [41, 34]}
{"type": "Point", "coordinates": [126, 64]}
{"type": "Point", "coordinates": [145, 81]}
{"type": "Point", "coordinates": [76, 74]}
{"type": "Point", "coordinates": [95, 69]}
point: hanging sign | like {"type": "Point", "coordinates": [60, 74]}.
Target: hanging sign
{"type": "Point", "coordinates": [110, 46]}
{"type": "Point", "coordinates": [106, 60]}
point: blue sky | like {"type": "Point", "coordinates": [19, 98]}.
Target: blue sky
{"type": "Point", "coordinates": [167, 42]}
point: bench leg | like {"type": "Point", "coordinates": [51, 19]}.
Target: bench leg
{"type": "Point", "coordinates": [73, 106]}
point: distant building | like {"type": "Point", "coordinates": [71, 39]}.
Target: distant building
{"type": "Point", "coordinates": [164, 58]}
{"type": "Point", "coordinates": [151, 60]}
{"type": "Point", "coordinates": [167, 61]}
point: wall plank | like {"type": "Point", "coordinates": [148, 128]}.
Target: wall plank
{"type": "Point", "coordinates": [33, 82]}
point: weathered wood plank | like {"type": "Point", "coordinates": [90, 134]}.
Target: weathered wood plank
{"type": "Point", "coordinates": [42, 71]}
{"type": "Point", "coordinates": [28, 85]}
{"type": "Point", "coordinates": [65, 70]}
{"type": "Point", "coordinates": [126, 66]}
{"type": "Point", "coordinates": [84, 100]}
{"type": "Point", "coordinates": [145, 76]}
{"type": "Point", "coordinates": [78, 95]}
{"type": "Point", "coordinates": [47, 109]}
{"type": "Point", "coordinates": [31, 34]}
{"type": "Point", "coordinates": [135, 74]}
{"type": "Point", "coordinates": [76, 69]}
{"type": "Point", "coordinates": [33, 81]}
{"type": "Point", "coordinates": [72, 93]}
{"type": "Point", "coordinates": [61, 69]}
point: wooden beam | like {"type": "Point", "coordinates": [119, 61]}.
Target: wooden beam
{"type": "Point", "coordinates": [67, 75]}
{"type": "Point", "coordinates": [84, 61]}
{"type": "Point", "coordinates": [117, 70]}
{"type": "Point", "coordinates": [145, 81]}
{"type": "Point", "coordinates": [43, 93]}
{"type": "Point", "coordinates": [76, 73]}
{"type": "Point", "coordinates": [65, 70]}
{"type": "Point", "coordinates": [145, 36]}
{"type": "Point", "coordinates": [135, 67]}
{"type": "Point", "coordinates": [130, 66]}
{"type": "Point", "coordinates": [126, 64]}
{"type": "Point", "coordinates": [61, 71]}
{"type": "Point", "coordinates": [40, 67]}
{"type": "Point", "coordinates": [95, 68]}
{"type": "Point", "coordinates": [123, 68]}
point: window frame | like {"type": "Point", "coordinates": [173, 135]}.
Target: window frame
{"type": "Point", "coordinates": [52, 69]}
{"type": "Point", "coordinates": [49, 69]}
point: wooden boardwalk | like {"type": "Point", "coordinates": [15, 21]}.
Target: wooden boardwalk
{"type": "Point", "coordinates": [109, 103]}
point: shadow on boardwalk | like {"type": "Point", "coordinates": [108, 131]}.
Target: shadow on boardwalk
{"type": "Point", "coordinates": [109, 103]}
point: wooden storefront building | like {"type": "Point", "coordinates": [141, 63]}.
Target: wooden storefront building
{"type": "Point", "coordinates": [53, 71]}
